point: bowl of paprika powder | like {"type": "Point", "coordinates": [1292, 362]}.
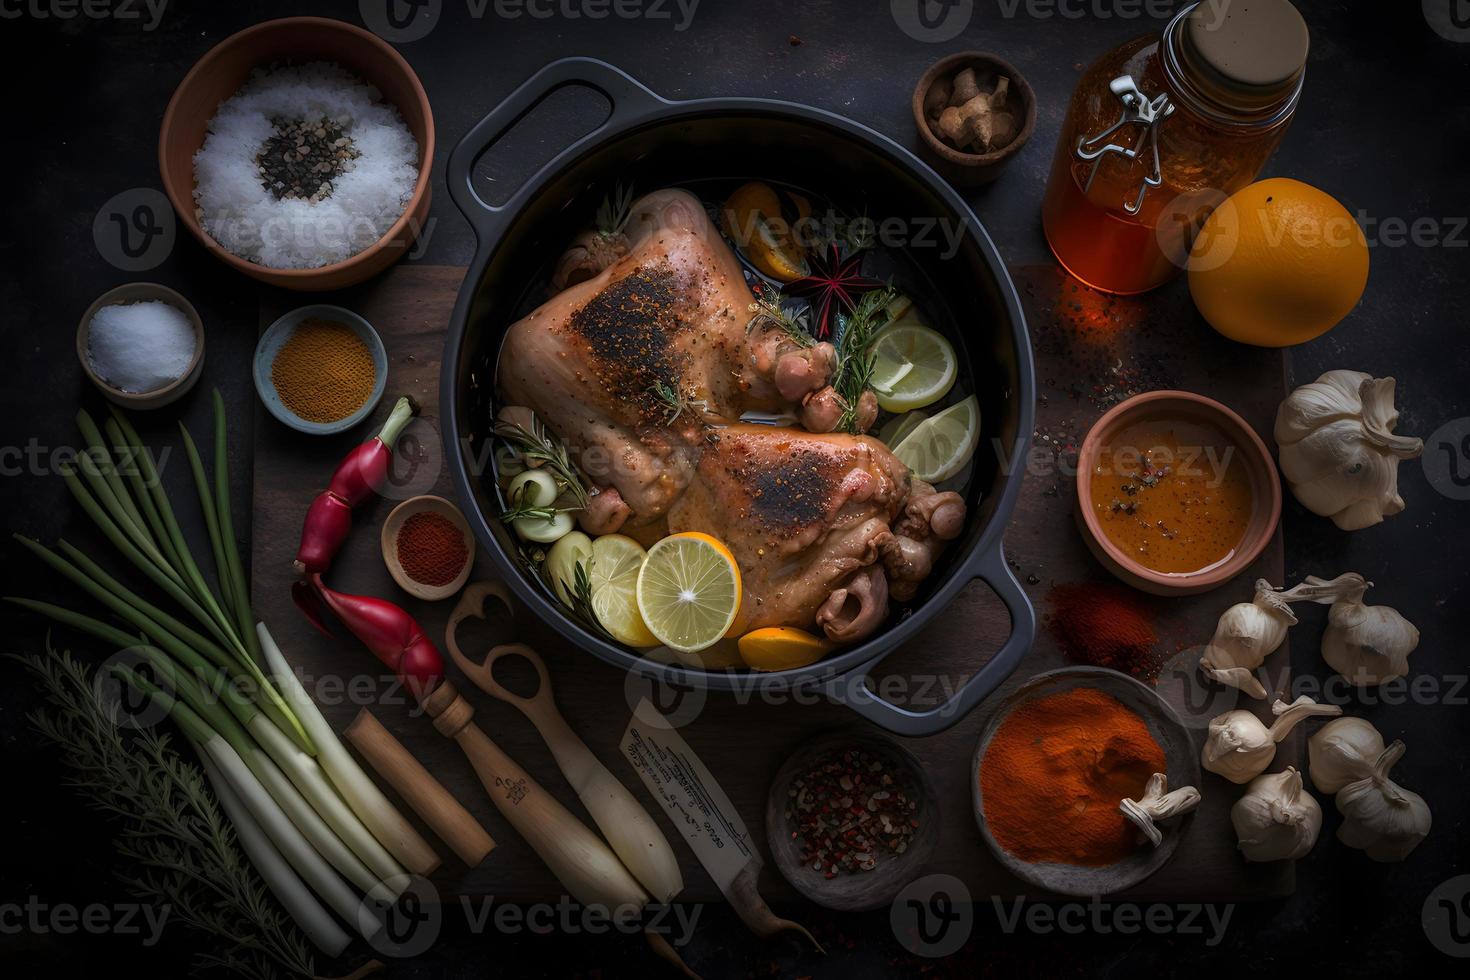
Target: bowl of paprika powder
{"type": "Point", "coordinates": [428, 547]}
{"type": "Point", "coordinates": [1055, 760]}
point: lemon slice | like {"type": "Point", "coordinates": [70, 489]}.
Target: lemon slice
{"type": "Point", "coordinates": [939, 447]}
{"type": "Point", "coordinates": [915, 364]}
{"type": "Point", "coordinates": [616, 561]}
{"type": "Point", "coordinates": [689, 591]}
{"type": "Point", "coordinates": [782, 648]}
{"type": "Point", "coordinates": [896, 428]}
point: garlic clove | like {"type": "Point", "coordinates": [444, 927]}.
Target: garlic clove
{"type": "Point", "coordinates": [1159, 803]}
{"type": "Point", "coordinates": [1380, 817]}
{"type": "Point", "coordinates": [1341, 752]}
{"type": "Point", "coordinates": [1276, 819]}
{"type": "Point", "coordinates": [1338, 451]}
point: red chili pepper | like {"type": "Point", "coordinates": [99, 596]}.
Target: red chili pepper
{"type": "Point", "coordinates": [391, 634]}
{"type": "Point", "coordinates": [359, 476]}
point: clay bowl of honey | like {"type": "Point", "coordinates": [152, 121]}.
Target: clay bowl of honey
{"type": "Point", "coordinates": [1176, 494]}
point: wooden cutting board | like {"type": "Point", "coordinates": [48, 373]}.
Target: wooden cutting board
{"type": "Point", "coordinates": [1084, 343]}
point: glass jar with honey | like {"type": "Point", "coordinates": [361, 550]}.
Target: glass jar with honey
{"type": "Point", "coordinates": [1163, 128]}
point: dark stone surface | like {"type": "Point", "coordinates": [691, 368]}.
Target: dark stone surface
{"type": "Point", "coordinates": [1384, 126]}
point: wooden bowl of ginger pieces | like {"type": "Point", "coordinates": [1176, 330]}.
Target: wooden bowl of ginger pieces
{"type": "Point", "coordinates": [974, 112]}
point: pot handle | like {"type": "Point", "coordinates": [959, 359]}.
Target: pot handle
{"type": "Point", "coordinates": [851, 688]}
{"type": "Point", "coordinates": [630, 100]}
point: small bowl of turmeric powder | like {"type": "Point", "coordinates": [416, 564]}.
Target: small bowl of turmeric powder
{"type": "Point", "coordinates": [320, 369]}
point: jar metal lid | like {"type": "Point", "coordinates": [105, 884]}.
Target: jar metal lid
{"type": "Point", "coordinates": [1245, 55]}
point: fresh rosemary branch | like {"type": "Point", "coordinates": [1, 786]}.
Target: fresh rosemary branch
{"type": "Point", "coordinates": [769, 309]}
{"type": "Point", "coordinates": [172, 827]}
{"type": "Point", "coordinates": [538, 443]}
{"type": "Point", "coordinates": [676, 401]}
{"type": "Point", "coordinates": [582, 602]}
{"type": "Point", "coordinates": [855, 359]}
{"type": "Point", "coordinates": [614, 211]}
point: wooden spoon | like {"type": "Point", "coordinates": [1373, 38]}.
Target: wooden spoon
{"type": "Point", "coordinates": [628, 827]}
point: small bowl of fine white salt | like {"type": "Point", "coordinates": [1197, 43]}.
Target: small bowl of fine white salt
{"type": "Point", "coordinates": [141, 344]}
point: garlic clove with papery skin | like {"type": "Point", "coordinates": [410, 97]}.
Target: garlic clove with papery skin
{"type": "Point", "coordinates": [1365, 644]}
{"type": "Point", "coordinates": [1244, 635]}
{"type": "Point", "coordinates": [1159, 803]}
{"type": "Point", "coordinates": [1380, 817]}
{"type": "Point", "coordinates": [1276, 819]}
{"type": "Point", "coordinates": [1341, 752]}
{"type": "Point", "coordinates": [1240, 746]}
{"type": "Point", "coordinates": [1338, 451]}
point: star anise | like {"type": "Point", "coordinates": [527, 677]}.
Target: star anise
{"type": "Point", "coordinates": [834, 283]}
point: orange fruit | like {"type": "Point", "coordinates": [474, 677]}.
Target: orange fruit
{"type": "Point", "coordinates": [782, 648]}
{"type": "Point", "coordinates": [753, 217]}
{"type": "Point", "coordinates": [1278, 263]}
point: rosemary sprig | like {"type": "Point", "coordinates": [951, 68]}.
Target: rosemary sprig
{"type": "Point", "coordinates": [540, 444]}
{"type": "Point", "coordinates": [769, 309]}
{"type": "Point", "coordinates": [855, 359]}
{"type": "Point", "coordinates": [581, 592]}
{"type": "Point", "coordinates": [614, 211]}
{"type": "Point", "coordinates": [533, 558]}
{"type": "Point", "coordinates": [677, 401]}
{"type": "Point", "coordinates": [172, 826]}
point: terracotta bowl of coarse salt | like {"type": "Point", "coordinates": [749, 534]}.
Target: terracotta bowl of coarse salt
{"type": "Point", "coordinates": [237, 61]}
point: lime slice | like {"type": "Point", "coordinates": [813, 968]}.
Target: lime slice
{"type": "Point", "coordinates": [939, 447]}
{"type": "Point", "coordinates": [916, 365]}
{"type": "Point", "coordinates": [896, 428]}
{"type": "Point", "coordinates": [689, 591]}
{"type": "Point", "coordinates": [616, 561]}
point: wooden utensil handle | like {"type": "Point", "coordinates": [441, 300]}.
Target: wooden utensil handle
{"type": "Point", "coordinates": [572, 851]}
{"type": "Point", "coordinates": [425, 794]}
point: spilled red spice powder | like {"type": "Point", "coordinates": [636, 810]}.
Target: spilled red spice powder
{"type": "Point", "coordinates": [431, 550]}
{"type": "Point", "coordinates": [1105, 624]}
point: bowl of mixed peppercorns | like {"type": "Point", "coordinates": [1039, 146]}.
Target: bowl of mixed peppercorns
{"type": "Point", "coordinates": [851, 819]}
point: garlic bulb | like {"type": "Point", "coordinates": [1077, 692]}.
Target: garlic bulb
{"type": "Point", "coordinates": [1365, 644]}
{"type": "Point", "coordinates": [1380, 817]}
{"type": "Point", "coordinates": [1338, 451]}
{"type": "Point", "coordinates": [1159, 803]}
{"type": "Point", "coordinates": [1240, 746]}
{"type": "Point", "coordinates": [1342, 751]}
{"type": "Point", "coordinates": [1276, 819]}
{"type": "Point", "coordinates": [1244, 635]}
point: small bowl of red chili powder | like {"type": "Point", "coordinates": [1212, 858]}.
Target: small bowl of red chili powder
{"type": "Point", "coordinates": [1054, 761]}
{"type": "Point", "coordinates": [428, 547]}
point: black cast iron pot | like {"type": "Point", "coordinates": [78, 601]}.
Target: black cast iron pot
{"type": "Point", "coordinates": [651, 142]}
